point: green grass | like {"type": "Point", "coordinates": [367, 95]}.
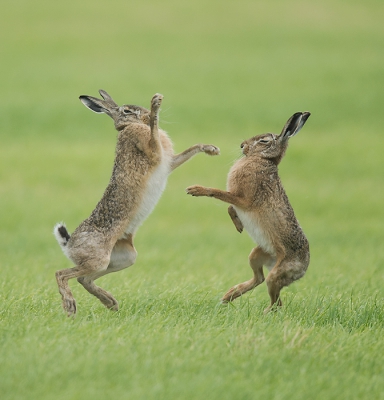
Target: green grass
{"type": "Point", "coordinates": [228, 71]}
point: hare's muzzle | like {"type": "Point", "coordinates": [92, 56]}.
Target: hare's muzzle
{"type": "Point", "coordinates": [244, 148]}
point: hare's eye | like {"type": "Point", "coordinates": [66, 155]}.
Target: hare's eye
{"type": "Point", "coordinates": [127, 111]}
{"type": "Point", "coordinates": [263, 141]}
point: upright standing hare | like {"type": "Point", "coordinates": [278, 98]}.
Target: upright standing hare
{"type": "Point", "coordinates": [260, 205]}
{"type": "Point", "coordinates": [103, 243]}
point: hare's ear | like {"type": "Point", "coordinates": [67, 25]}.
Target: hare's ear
{"type": "Point", "coordinates": [294, 124]}
{"type": "Point", "coordinates": [95, 105]}
{"type": "Point", "coordinates": [107, 98]}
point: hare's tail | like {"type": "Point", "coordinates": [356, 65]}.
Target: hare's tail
{"type": "Point", "coordinates": [61, 234]}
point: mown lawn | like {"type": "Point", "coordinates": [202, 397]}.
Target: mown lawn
{"type": "Point", "coordinates": [227, 71]}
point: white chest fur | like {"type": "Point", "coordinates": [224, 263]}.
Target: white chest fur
{"type": "Point", "coordinates": [154, 188]}
{"type": "Point", "coordinates": [252, 226]}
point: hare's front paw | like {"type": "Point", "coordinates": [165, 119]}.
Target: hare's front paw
{"type": "Point", "coordinates": [197, 190]}
{"type": "Point", "coordinates": [211, 150]}
{"type": "Point", "coordinates": [156, 102]}
{"type": "Point", "coordinates": [235, 219]}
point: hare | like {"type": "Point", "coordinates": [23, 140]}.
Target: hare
{"type": "Point", "coordinates": [259, 204]}
{"type": "Point", "coordinates": [144, 158]}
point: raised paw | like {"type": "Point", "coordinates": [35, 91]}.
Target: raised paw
{"type": "Point", "coordinates": [211, 150]}
{"type": "Point", "coordinates": [235, 219]}
{"type": "Point", "coordinates": [197, 190]}
{"type": "Point", "coordinates": [69, 305]}
{"type": "Point", "coordinates": [156, 102]}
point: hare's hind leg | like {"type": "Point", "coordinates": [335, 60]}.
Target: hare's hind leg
{"type": "Point", "coordinates": [275, 282]}
{"type": "Point", "coordinates": [282, 274]}
{"type": "Point", "coordinates": [62, 278]}
{"type": "Point", "coordinates": [123, 256]}
{"type": "Point", "coordinates": [257, 259]}
{"type": "Point", "coordinates": [105, 297]}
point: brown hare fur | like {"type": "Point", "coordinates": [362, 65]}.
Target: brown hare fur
{"type": "Point", "coordinates": [144, 158]}
{"type": "Point", "coordinates": [259, 204]}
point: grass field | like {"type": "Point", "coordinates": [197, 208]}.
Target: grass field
{"type": "Point", "coordinates": [228, 71]}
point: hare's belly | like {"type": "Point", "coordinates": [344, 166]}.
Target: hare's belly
{"type": "Point", "coordinates": [154, 189]}
{"type": "Point", "coordinates": [255, 231]}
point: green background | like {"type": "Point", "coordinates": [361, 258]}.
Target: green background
{"type": "Point", "coordinates": [228, 71]}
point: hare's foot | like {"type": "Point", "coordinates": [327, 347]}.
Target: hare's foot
{"type": "Point", "coordinates": [68, 301]}
{"type": "Point", "coordinates": [113, 305]}
{"type": "Point", "coordinates": [232, 294]}
{"type": "Point", "coordinates": [69, 305]}
{"type": "Point", "coordinates": [276, 280]}
{"type": "Point", "coordinates": [156, 102]}
{"type": "Point", "coordinates": [210, 150]}
{"type": "Point", "coordinates": [110, 302]}
{"type": "Point", "coordinates": [197, 190]}
{"type": "Point", "coordinates": [256, 259]}
{"type": "Point", "coordinates": [238, 290]}
{"type": "Point", "coordinates": [273, 307]}
{"type": "Point", "coordinates": [105, 297]}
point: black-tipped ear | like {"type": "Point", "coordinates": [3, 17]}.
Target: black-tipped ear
{"type": "Point", "coordinates": [294, 124]}
{"type": "Point", "coordinates": [93, 104]}
{"type": "Point", "coordinates": [107, 97]}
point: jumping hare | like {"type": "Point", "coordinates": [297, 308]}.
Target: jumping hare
{"type": "Point", "coordinates": [144, 158]}
{"type": "Point", "coordinates": [260, 205]}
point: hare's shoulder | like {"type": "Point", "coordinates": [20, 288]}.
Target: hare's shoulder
{"type": "Point", "coordinates": [243, 177]}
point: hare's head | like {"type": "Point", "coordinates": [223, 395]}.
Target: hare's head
{"type": "Point", "coordinates": [121, 115]}
{"type": "Point", "coordinates": [271, 146]}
